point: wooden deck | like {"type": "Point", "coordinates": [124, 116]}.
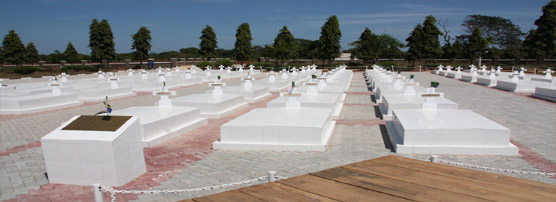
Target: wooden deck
{"type": "Point", "coordinates": [393, 178]}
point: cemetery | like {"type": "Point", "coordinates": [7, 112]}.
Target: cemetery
{"type": "Point", "coordinates": [217, 115]}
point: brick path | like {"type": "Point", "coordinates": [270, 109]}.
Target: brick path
{"type": "Point", "coordinates": [188, 161]}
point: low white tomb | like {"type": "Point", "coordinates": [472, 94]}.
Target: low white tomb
{"type": "Point", "coordinates": [289, 129]}
{"type": "Point", "coordinates": [447, 131]}
{"type": "Point", "coordinates": [80, 153]}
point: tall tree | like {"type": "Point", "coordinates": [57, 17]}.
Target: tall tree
{"type": "Point", "coordinates": [242, 47]}
{"type": "Point", "coordinates": [415, 44]}
{"type": "Point", "coordinates": [531, 46]}
{"type": "Point", "coordinates": [31, 53]}
{"type": "Point", "coordinates": [13, 49]}
{"type": "Point", "coordinates": [498, 31]}
{"type": "Point", "coordinates": [476, 45]}
{"type": "Point", "coordinates": [431, 44]}
{"type": "Point", "coordinates": [364, 46]}
{"type": "Point", "coordinates": [546, 30]}
{"type": "Point", "coordinates": [388, 46]}
{"type": "Point", "coordinates": [208, 44]}
{"type": "Point", "coordinates": [101, 40]}
{"type": "Point", "coordinates": [1, 56]}
{"type": "Point", "coordinates": [330, 35]}
{"type": "Point", "coordinates": [284, 45]}
{"type": "Point", "coordinates": [70, 54]}
{"type": "Point", "coordinates": [141, 44]}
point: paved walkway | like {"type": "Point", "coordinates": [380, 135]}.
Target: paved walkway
{"type": "Point", "coordinates": [188, 161]}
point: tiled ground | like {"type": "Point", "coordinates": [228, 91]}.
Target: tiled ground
{"type": "Point", "coordinates": [188, 161]}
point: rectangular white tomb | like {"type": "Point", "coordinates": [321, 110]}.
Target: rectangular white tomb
{"type": "Point", "coordinates": [291, 129]}
{"type": "Point", "coordinates": [80, 153]}
{"type": "Point", "coordinates": [159, 124]}
{"type": "Point", "coordinates": [212, 106]}
{"type": "Point", "coordinates": [447, 131]}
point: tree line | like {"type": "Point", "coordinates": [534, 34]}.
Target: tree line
{"type": "Point", "coordinates": [486, 36]}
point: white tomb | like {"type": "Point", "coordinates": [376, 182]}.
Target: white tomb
{"type": "Point", "coordinates": [546, 93]}
{"type": "Point", "coordinates": [84, 157]}
{"type": "Point", "coordinates": [399, 101]}
{"type": "Point", "coordinates": [212, 106]}
{"type": "Point", "coordinates": [37, 102]}
{"type": "Point", "coordinates": [253, 95]}
{"type": "Point", "coordinates": [325, 101]}
{"type": "Point", "coordinates": [99, 92]}
{"type": "Point", "coordinates": [159, 123]}
{"type": "Point", "coordinates": [445, 131]}
{"type": "Point", "coordinates": [289, 129]}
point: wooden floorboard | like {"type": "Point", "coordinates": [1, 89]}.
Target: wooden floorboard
{"type": "Point", "coordinates": [394, 178]}
{"type": "Point", "coordinates": [532, 188]}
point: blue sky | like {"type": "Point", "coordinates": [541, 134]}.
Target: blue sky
{"type": "Point", "coordinates": [176, 24]}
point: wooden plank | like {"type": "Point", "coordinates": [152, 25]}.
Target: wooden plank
{"type": "Point", "coordinates": [279, 192]}
{"type": "Point", "coordinates": [466, 187]}
{"type": "Point", "coordinates": [230, 196]}
{"type": "Point", "coordinates": [541, 191]}
{"type": "Point", "coordinates": [336, 190]}
{"type": "Point", "coordinates": [410, 191]}
{"type": "Point", "coordinates": [97, 123]}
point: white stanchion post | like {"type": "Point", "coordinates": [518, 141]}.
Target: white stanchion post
{"type": "Point", "coordinates": [97, 192]}
{"type": "Point", "coordinates": [434, 158]}
{"type": "Point", "coordinates": [271, 176]}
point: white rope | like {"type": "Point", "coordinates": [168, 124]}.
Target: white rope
{"type": "Point", "coordinates": [494, 169]}
{"type": "Point", "coordinates": [114, 191]}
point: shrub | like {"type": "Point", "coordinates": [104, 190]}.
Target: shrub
{"type": "Point", "coordinates": [204, 64]}
{"type": "Point", "coordinates": [431, 65]}
{"type": "Point", "coordinates": [388, 64]}
{"type": "Point", "coordinates": [223, 62]}
{"type": "Point", "coordinates": [25, 69]}
{"type": "Point", "coordinates": [76, 68]}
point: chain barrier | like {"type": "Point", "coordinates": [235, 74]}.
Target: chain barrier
{"type": "Point", "coordinates": [113, 191]}
{"type": "Point", "coordinates": [493, 169]}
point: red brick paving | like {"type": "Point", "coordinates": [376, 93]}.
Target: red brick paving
{"type": "Point", "coordinates": [534, 159]}
{"type": "Point", "coordinates": [20, 148]}
{"type": "Point", "coordinates": [360, 93]}
{"type": "Point", "coordinates": [163, 161]}
{"type": "Point", "coordinates": [360, 104]}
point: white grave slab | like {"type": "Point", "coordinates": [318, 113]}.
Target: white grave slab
{"type": "Point", "coordinates": [521, 85]}
{"type": "Point", "coordinates": [36, 102]}
{"type": "Point", "coordinates": [159, 124]}
{"type": "Point", "coordinates": [399, 101]}
{"type": "Point", "coordinates": [546, 93]}
{"type": "Point", "coordinates": [324, 101]}
{"type": "Point", "coordinates": [212, 106]}
{"type": "Point", "coordinates": [288, 129]}
{"type": "Point", "coordinates": [99, 93]}
{"type": "Point", "coordinates": [84, 157]}
{"type": "Point", "coordinates": [254, 94]}
{"type": "Point", "coordinates": [446, 131]}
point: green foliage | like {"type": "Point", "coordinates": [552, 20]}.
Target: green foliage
{"type": "Point", "coordinates": [266, 51]}
{"type": "Point", "coordinates": [204, 64]}
{"type": "Point", "coordinates": [141, 44]}
{"type": "Point", "coordinates": [77, 68]}
{"type": "Point", "coordinates": [70, 54]}
{"type": "Point", "coordinates": [307, 49]}
{"type": "Point", "coordinates": [546, 30]}
{"type": "Point", "coordinates": [284, 45]}
{"type": "Point", "coordinates": [242, 47]}
{"type": "Point", "coordinates": [415, 43]}
{"type": "Point", "coordinates": [431, 44]}
{"type": "Point", "coordinates": [208, 44]}
{"type": "Point", "coordinates": [365, 47]}
{"type": "Point", "coordinates": [13, 50]}
{"type": "Point", "coordinates": [496, 30]}
{"type": "Point", "coordinates": [531, 45]}
{"type": "Point", "coordinates": [31, 53]}
{"type": "Point", "coordinates": [101, 40]}
{"type": "Point", "coordinates": [190, 52]}
{"type": "Point", "coordinates": [25, 69]}
{"type": "Point", "coordinates": [223, 62]}
{"type": "Point", "coordinates": [476, 44]}
{"type": "Point", "coordinates": [330, 35]}
{"type": "Point", "coordinates": [387, 64]}
{"type": "Point", "coordinates": [431, 65]}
